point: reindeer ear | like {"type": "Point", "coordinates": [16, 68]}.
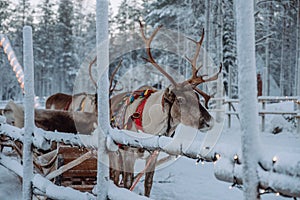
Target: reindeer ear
{"type": "Point", "coordinates": [169, 96]}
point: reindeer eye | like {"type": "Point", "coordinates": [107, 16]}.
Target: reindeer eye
{"type": "Point", "coordinates": [181, 100]}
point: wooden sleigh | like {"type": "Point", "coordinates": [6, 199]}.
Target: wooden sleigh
{"type": "Point", "coordinates": [66, 166]}
{"type": "Point", "coordinates": [75, 168]}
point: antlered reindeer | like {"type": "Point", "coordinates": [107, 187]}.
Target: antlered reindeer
{"type": "Point", "coordinates": [157, 112]}
{"type": "Point", "coordinates": [151, 111]}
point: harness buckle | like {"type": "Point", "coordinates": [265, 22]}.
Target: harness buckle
{"type": "Point", "coordinates": [136, 115]}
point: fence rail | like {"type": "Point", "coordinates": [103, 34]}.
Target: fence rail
{"type": "Point", "coordinates": [264, 100]}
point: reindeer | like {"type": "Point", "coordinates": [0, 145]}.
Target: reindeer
{"type": "Point", "coordinates": [79, 102]}
{"type": "Point", "coordinates": [157, 112]}
{"type": "Point", "coordinates": [53, 120]}
{"type": "Point", "coordinates": [82, 101]}
{"type": "Point", "coordinates": [149, 110]}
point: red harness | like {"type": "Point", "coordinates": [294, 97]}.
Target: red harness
{"type": "Point", "coordinates": [137, 117]}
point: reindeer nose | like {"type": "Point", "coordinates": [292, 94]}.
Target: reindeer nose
{"type": "Point", "coordinates": [207, 125]}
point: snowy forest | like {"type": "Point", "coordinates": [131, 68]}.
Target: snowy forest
{"type": "Point", "coordinates": [64, 36]}
{"type": "Point", "coordinates": [202, 140]}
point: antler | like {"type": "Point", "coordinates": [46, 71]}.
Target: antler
{"type": "Point", "coordinates": [150, 57]}
{"type": "Point", "coordinates": [111, 86]}
{"type": "Point", "coordinates": [196, 79]}
{"type": "Point", "coordinates": [90, 71]}
{"type": "Point", "coordinates": [194, 60]}
{"type": "Point", "coordinates": [213, 78]}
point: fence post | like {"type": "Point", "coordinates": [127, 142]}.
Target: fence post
{"type": "Point", "coordinates": [298, 115]}
{"type": "Point", "coordinates": [29, 114]}
{"type": "Point", "coordinates": [263, 116]}
{"type": "Point", "coordinates": [250, 143]}
{"type": "Point", "coordinates": [229, 114]}
{"type": "Point", "coordinates": [103, 98]}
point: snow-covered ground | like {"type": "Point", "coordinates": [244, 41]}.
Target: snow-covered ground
{"type": "Point", "coordinates": [183, 179]}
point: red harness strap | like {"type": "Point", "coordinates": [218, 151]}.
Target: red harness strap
{"type": "Point", "coordinates": [137, 117]}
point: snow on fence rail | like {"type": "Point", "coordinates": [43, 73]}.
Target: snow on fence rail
{"type": "Point", "coordinates": [278, 172]}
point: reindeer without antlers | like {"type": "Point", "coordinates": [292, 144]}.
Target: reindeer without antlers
{"type": "Point", "coordinates": [157, 112]}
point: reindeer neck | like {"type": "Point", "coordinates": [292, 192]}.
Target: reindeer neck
{"type": "Point", "coordinates": [155, 118]}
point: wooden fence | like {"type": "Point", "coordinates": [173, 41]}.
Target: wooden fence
{"type": "Point", "coordinates": [263, 100]}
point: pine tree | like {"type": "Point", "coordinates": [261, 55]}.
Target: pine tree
{"type": "Point", "coordinates": [7, 73]}
{"type": "Point", "coordinates": [22, 16]}
{"type": "Point", "coordinates": [13, 18]}
{"type": "Point", "coordinates": [229, 49]}
{"type": "Point", "coordinates": [45, 49]}
{"type": "Point", "coordinates": [276, 43]}
{"type": "Point", "coordinates": [66, 58]}
{"type": "Point", "coordinates": [4, 15]}
{"type": "Point", "coordinates": [129, 13]}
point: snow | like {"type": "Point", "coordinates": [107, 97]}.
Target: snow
{"type": "Point", "coordinates": [10, 185]}
{"type": "Point", "coordinates": [184, 179]}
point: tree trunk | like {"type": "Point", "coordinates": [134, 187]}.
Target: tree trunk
{"type": "Point", "coordinates": [298, 49]}
{"type": "Point", "coordinates": [282, 79]}
{"type": "Point", "coordinates": [266, 74]}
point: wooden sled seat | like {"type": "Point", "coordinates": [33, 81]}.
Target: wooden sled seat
{"type": "Point", "coordinates": [76, 168]}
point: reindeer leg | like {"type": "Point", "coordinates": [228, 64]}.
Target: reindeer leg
{"type": "Point", "coordinates": [114, 167]}
{"type": "Point", "coordinates": [149, 173]}
{"type": "Point", "coordinates": [129, 158]}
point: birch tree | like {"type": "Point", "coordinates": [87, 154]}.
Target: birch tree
{"type": "Point", "coordinates": [247, 94]}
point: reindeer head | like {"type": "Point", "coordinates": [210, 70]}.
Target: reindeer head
{"type": "Point", "coordinates": [182, 99]}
